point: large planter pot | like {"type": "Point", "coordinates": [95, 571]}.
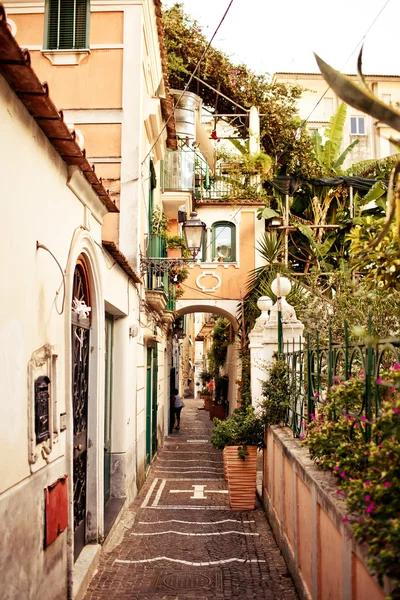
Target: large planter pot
{"type": "Point", "coordinates": [241, 477]}
{"type": "Point", "coordinates": [207, 402]}
{"type": "Point", "coordinates": [212, 408]}
{"type": "Point", "coordinates": [220, 412]}
{"type": "Point", "coordinates": [224, 461]}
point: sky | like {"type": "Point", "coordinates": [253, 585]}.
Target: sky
{"type": "Point", "coordinates": [281, 35]}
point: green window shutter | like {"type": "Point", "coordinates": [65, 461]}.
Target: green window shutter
{"type": "Point", "coordinates": [67, 24]}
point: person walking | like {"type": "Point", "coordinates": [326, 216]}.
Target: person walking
{"type": "Point", "coordinates": [178, 405]}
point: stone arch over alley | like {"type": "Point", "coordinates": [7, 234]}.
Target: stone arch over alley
{"type": "Point", "coordinates": [202, 337]}
{"type": "Point", "coordinates": [222, 308]}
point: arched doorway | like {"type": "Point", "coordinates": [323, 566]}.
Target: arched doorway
{"type": "Point", "coordinates": [80, 350]}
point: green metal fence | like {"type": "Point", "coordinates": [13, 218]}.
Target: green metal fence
{"type": "Point", "coordinates": [314, 368]}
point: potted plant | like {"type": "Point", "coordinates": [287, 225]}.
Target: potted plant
{"type": "Point", "coordinates": [239, 436]}
{"type": "Point", "coordinates": [220, 401]}
{"type": "Point", "coordinates": [175, 245]}
{"type": "Point", "coordinates": [206, 395]}
{"type": "Point", "coordinates": [159, 223]}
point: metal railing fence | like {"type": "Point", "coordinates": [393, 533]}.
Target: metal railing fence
{"type": "Point", "coordinates": [187, 169]}
{"type": "Point", "coordinates": [314, 368]}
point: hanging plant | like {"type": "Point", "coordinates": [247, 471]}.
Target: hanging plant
{"type": "Point", "coordinates": [159, 223]}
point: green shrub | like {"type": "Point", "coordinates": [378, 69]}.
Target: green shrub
{"type": "Point", "coordinates": [243, 428]}
{"type": "Point", "coordinates": [276, 393]}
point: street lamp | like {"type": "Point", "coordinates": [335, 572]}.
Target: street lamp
{"type": "Point", "coordinates": [193, 229]}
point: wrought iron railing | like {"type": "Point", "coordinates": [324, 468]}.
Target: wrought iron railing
{"type": "Point", "coordinates": [187, 169]}
{"type": "Point", "coordinates": [156, 249]}
{"type": "Point", "coordinates": [314, 368]}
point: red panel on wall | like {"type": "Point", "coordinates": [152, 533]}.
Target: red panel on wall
{"type": "Point", "coordinates": [56, 499]}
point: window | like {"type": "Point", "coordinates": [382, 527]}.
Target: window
{"type": "Point", "coordinates": [223, 241]}
{"type": "Point", "coordinates": [357, 126]}
{"type": "Point", "coordinates": [67, 24]}
{"type": "Point", "coordinates": [387, 98]}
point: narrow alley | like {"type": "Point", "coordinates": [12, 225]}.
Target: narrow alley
{"type": "Point", "coordinates": [181, 540]}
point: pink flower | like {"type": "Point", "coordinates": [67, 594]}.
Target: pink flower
{"type": "Point", "coordinates": [363, 418]}
{"type": "Point", "coordinates": [396, 366]}
{"type": "Point", "coordinates": [387, 484]}
{"type": "Point", "coordinates": [338, 492]}
{"type": "Point", "coordinates": [396, 411]}
{"type": "Point", "coordinates": [316, 395]}
{"type": "Point", "coordinates": [370, 508]}
{"type": "Point", "coordinates": [336, 380]}
{"type": "Point", "coordinates": [302, 436]}
{"type": "Point", "coordinates": [342, 474]}
{"type": "Point", "coordinates": [379, 380]}
{"type": "Point", "coordinates": [367, 483]}
{"type": "Point", "coordinates": [336, 468]}
{"type": "Point", "coordinates": [312, 416]}
{"type": "Point", "coordinates": [361, 373]}
{"type": "Point", "coordinates": [367, 499]}
{"type": "Point", "coordinates": [345, 519]}
{"type": "Point", "coordinates": [392, 389]}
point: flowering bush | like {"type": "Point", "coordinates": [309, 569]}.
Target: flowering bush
{"type": "Point", "coordinates": [368, 472]}
{"type": "Point", "coordinates": [335, 435]}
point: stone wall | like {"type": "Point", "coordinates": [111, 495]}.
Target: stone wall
{"type": "Point", "coordinates": [306, 516]}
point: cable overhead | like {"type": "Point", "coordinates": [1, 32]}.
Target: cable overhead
{"type": "Point", "coordinates": [190, 80]}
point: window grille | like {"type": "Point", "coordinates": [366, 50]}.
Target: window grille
{"type": "Point", "coordinates": [67, 24]}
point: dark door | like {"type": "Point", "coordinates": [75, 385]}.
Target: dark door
{"type": "Point", "coordinates": [154, 403]}
{"type": "Point", "coordinates": [109, 327]}
{"type": "Point", "coordinates": [80, 378]}
{"type": "Point", "coordinates": [151, 402]}
{"type": "Point", "coordinates": [172, 387]}
{"type": "Point", "coordinates": [148, 404]}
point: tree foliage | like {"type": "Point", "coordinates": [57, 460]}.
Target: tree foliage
{"type": "Point", "coordinates": [185, 43]}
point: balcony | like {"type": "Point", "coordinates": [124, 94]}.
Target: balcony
{"type": "Point", "coordinates": [188, 170]}
{"type": "Point", "coordinates": [160, 294]}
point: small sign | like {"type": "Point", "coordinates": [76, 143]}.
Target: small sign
{"type": "Point", "coordinates": [56, 507]}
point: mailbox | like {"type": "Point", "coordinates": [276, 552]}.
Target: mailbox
{"type": "Point", "coordinates": [42, 397]}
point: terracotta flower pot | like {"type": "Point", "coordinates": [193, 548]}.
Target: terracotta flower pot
{"type": "Point", "coordinates": [212, 408]}
{"type": "Point", "coordinates": [174, 252]}
{"type": "Point", "coordinates": [224, 460]}
{"type": "Point", "coordinates": [219, 412]}
{"type": "Point", "coordinates": [241, 477]}
{"type": "Point", "coordinates": [207, 402]}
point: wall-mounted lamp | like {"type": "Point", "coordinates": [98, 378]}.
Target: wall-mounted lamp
{"type": "Point", "coordinates": [193, 230]}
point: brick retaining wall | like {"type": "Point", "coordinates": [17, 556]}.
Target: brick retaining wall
{"type": "Point", "coordinates": [306, 516]}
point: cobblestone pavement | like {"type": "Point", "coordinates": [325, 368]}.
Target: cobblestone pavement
{"type": "Point", "coordinates": [180, 539]}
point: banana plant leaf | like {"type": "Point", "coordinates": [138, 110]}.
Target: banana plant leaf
{"type": "Point", "coordinates": [338, 163]}
{"type": "Point", "coordinates": [358, 97]}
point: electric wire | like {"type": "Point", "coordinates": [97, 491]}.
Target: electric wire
{"type": "Point", "coordinates": [43, 247]}
{"type": "Point", "coordinates": [190, 80]}
{"type": "Point", "coordinates": [347, 60]}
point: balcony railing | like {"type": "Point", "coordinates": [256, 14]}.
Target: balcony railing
{"type": "Point", "coordinates": [186, 169]}
{"type": "Point", "coordinates": [156, 249]}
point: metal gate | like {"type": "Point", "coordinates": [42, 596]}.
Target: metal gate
{"type": "Point", "coordinates": [80, 386]}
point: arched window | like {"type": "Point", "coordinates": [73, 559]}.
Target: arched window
{"type": "Point", "coordinates": [223, 241]}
